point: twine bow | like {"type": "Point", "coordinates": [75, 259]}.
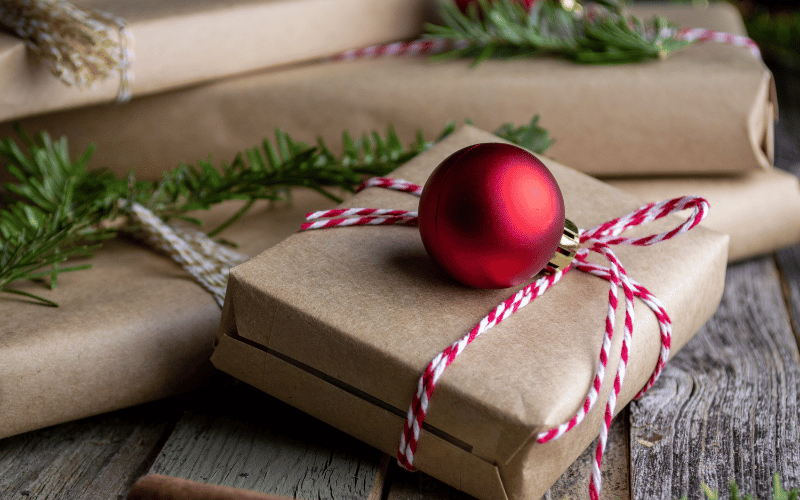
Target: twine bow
{"type": "Point", "coordinates": [598, 240]}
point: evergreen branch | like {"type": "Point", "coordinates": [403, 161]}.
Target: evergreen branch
{"type": "Point", "coordinates": [531, 137]}
{"type": "Point", "coordinates": [599, 33]}
{"type": "Point", "coordinates": [229, 222]}
{"type": "Point", "coordinates": [37, 298]}
{"type": "Point", "coordinates": [58, 210]}
{"type": "Point", "coordinates": [35, 247]}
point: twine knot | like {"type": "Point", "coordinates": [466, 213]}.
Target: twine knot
{"type": "Point", "coordinates": [207, 261]}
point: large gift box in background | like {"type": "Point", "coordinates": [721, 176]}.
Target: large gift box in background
{"type": "Point", "coordinates": [709, 108]}
{"type": "Point", "coordinates": [341, 323]}
{"type": "Point", "coordinates": [133, 328]}
{"type": "Point", "coordinates": [175, 43]}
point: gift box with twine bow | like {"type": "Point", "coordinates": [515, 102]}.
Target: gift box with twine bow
{"type": "Point", "coordinates": [341, 323]}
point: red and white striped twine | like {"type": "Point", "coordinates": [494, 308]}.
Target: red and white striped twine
{"type": "Point", "coordinates": [422, 46]}
{"type": "Point", "coordinates": [704, 35]}
{"type": "Point", "coordinates": [431, 46]}
{"type": "Point", "coordinates": [598, 240]}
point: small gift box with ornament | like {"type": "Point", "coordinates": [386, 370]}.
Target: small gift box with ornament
{"type": "Point", "coordinates": [359, 317]}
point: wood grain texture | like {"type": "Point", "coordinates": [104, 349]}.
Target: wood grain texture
{"type": "Point", "coordinates": [573, 484]}
{"type": "Point", "coordinates": [240, 437]}
{"type": "Point", "coordinates": [787, 156]}
{"type": "Point", "coordinates": [727, 406]}
{"type": "Point", "coordinates": [788, 261]}
{"type": "Point", "coordinates": [94, 458]}
{"type": "Point", "coordinates": [787, 130]}
{"type": "Point", "coordinates": [404, 485]}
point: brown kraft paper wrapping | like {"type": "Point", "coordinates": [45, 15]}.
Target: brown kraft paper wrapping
{"type": "Point", "coordinates": [180, 42]}
{"type": "Point", "coordinates": [760, 211]}
{"type": "Point", "coordinates": [132, 329]}
{"type": "Point", "coordinates": [637, 119]}
{"type": "Point", "coordinates": [341, 323]}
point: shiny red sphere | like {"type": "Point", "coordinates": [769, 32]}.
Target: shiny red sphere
{"type": "Point", "coordinates": [491, 215]}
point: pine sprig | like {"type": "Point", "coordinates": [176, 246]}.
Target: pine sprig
{"type": "Point", "coordinates": [37, 252]}
{"type": "Point", "coordinates": [268, 172]}
{"type": "Point", "coordinates": [58, 209]}
{"type": "Point", "coordinates": [42, 221]}
{"type": "Point", "coordinates": [532, 136]}
{"type": "Point", "coordinates": [600, 33]}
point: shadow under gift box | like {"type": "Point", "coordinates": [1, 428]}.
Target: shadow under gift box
{"type": "Point", "coordinates": [707, 109]}
{"type": "Point", "coordinates": [341, 323]}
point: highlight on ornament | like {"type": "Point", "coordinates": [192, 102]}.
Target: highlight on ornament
{"type": "Point", "coordinates": [492, 216]}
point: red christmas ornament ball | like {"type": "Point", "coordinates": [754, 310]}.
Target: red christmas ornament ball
{"type": "Point", "coordinates": [491, 215]}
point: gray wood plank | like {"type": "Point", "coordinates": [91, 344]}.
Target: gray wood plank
{"type": "Point", "coordinates": [240, 437]}
{"type": "Point", "coordinates": [404, 485]}
{"type": "Point", "coordinates": [94, 458]}
{"type": "Point", "coordinates": [788, 261]}
{"type": "Point", "coordinates": [573, 484]}
{"type": "Point", "coordinates": [727, 406]}
{"type": "Point", "coordinates": [787, 130]}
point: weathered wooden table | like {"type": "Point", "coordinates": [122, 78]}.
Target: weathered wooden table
{"type": "Point", "coordinates": [727, 406]}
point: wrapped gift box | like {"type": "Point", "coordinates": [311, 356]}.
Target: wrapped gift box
{"type": "Point", "coordinates": [636, 119]}
{"type": "Point", "coordinates": [133, 328]}
{"type": "Point", "coordinates": [180, 42]}
{"type": "Point", "coordinates": [341, 323]}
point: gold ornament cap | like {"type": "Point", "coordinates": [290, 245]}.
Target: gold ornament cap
{"type": "Point", "coordinates": [567, 247]}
